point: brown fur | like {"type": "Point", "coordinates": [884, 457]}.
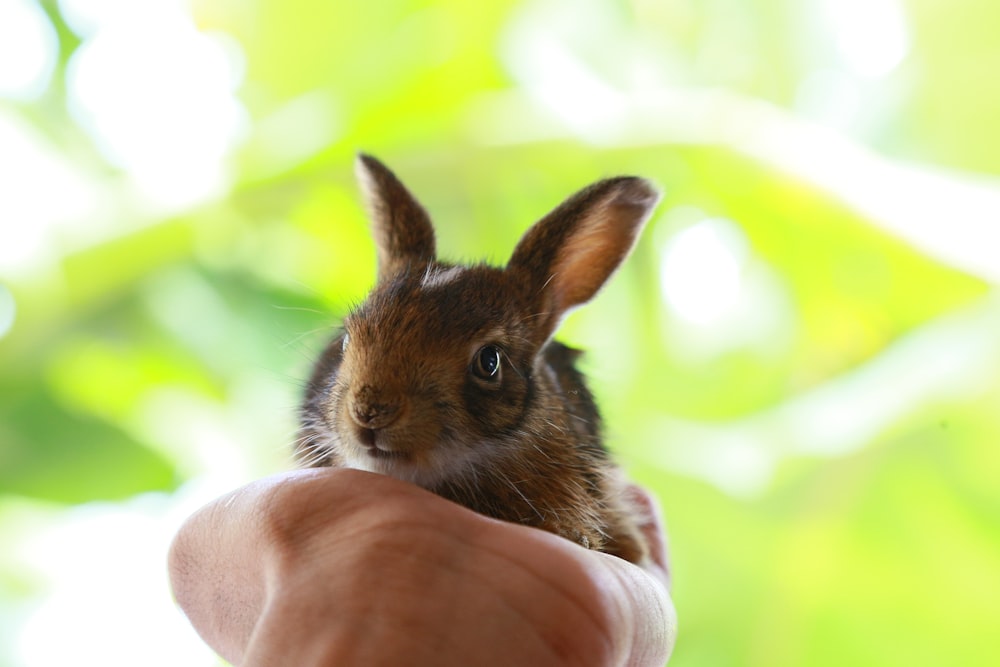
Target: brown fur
{"type": "Point", "coordinates": [403, 396]}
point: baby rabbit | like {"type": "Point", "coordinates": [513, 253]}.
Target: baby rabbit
{"type": "Point", "coordinates": [446, 375]}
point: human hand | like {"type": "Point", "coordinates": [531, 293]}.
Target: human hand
{"type": "Point", "coordinates": [341, 567]}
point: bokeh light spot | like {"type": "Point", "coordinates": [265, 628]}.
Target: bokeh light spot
{"type": "Point", "coordinates": [701, 273]}
{"type": "Point", "coordinates": [872, 36]}
{"type": "Point", "coordinates": [8, 310]}
{"type": "Point", "coordinates": [28, 47]}
{"type": "Point", "coordinates": [158, 96]}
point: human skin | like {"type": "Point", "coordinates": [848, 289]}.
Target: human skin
{"type": "Point", "coordinates": [341, 567]}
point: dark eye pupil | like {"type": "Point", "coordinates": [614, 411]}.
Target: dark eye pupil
{"type": "Point", "coordinates": [488, 362]}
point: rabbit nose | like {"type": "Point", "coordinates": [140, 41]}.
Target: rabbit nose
{"type": "Point", "coordinates": [371, 410]}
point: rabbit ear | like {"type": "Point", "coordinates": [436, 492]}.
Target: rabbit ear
{"type": "Point", "coordinates": [401, 227]}
{"type": "Point", "coordinates": [566, 257]}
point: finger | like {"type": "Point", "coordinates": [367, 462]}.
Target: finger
{"type": "Point", "coordinates": [652, 527]}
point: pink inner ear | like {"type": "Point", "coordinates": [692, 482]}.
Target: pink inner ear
{"type": "Point", "coordinates": [601, 242]}
{"type": "Point", "coordinates": [567, 256]}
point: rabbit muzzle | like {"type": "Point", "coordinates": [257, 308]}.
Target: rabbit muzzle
{"type": "Point", "coordinates": [373, 413]}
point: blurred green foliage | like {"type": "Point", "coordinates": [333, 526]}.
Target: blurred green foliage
{"type": "Point", "coordinates": [825, 450]}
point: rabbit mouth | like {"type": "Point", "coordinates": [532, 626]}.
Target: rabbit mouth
{"type": "Point", "coordinates": [374, 445]}
{"type": "Point", "coordinates": [377, 453]}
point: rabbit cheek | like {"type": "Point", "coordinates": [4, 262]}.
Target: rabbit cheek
{"type": "Point", "coordinates": [496, 409]}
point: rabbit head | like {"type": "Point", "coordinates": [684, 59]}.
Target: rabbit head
{"type": "Point", "coordinates": [440, 372]}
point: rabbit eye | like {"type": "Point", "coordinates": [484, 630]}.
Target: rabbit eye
{"type": "Point", "coordinates": [486, 365]}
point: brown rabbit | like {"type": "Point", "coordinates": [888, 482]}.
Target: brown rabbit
{"type": "Point", "coordinates": [446, 375]}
